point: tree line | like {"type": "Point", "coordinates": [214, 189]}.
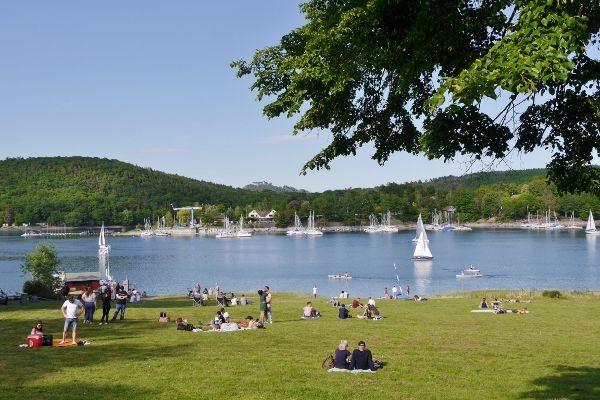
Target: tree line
{"type": "Point", "coordinates": [84, 191]}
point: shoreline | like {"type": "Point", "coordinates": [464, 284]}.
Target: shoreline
{"type": "Point", "coordinates": [213, 230]}
{"type": "Point", "coordinates": [403, 227]}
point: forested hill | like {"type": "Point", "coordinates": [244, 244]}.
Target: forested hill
{"type": "Point", "coordinates": [85, 190]}
{"type": "Point", "coordinates": [80, 191]}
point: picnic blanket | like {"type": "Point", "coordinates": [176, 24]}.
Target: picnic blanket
{"type": "Point", "coordinates": [69, 343]}
{"type": "Point", "coordinates": [353, 371]}
{"type": "Point", "coordinates": [491, 311]}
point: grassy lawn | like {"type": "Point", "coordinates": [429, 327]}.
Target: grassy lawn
{"type": "Point", "coordinates": [434, 349]}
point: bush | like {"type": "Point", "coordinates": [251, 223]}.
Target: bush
{"type": "Point", "coordinates": [553, 294]}
{"type": "Point", "coordinates": [39, 289]}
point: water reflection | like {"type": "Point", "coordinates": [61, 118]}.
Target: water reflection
{"type": "Point", "coordinates": [591, 244]}
{"type": "Point", "coordinates": [422, 275]}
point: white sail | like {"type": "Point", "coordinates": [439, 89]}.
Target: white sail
{"type": "Point", "coordinates": [373, 224]}
{"type": "Point", "coordinates": [420, 229]}
{"type": "Point", "coordinates": [103, 248]}
{"type": "Point", "coordinates": [242, 232]}
{"type": "Point", "coordinates": [591, 225]}
{"type": "Point", "coordinates": [422, 251]}
{"type": "Point", "coordinates": [297, 229]}
{"type": "Point", "coordinates": [311, 230]}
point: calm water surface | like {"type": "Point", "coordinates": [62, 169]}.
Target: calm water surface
{"type": "Point", "coordinates": [509, 259]}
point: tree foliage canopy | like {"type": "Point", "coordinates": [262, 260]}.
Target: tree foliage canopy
{"type": "Point", "coordinates": [41, 263]}
{"type": "Point", "coordinates": [411, 76]}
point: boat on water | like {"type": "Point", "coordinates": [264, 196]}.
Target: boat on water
{"type": "Point", "coordinates": [148, 231]}
{"type": "Point", "coordinates": [227, 231]}
{"type": "Point", "coordinates": [103, 248]}
{"type": "Point", "coordinates": [420, 229]}
{"type": "Point", "coordinates": [241, 231]}
{"type": "Point", "coordinates": [422, 252]}
{"type": "Point", "coordinates": [572, 222]}
{"type": "Point", "coordinates": [298, 229]}
{"type": "Point", "coordinates": [342, 276]}
{"type": "Point", "coordinates": [311, 230]}
{"type": "Point", "coordinates": [590, 228]}
{"type": "Point", "coordinates": [373, 224]}
{"type": "Point", "coordinates": [386, 224]}
{"type": "Point", "coordinates": [470, 272]}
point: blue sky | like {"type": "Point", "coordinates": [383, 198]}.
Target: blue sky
{"type": "Point", "coordinates": [149, 83]}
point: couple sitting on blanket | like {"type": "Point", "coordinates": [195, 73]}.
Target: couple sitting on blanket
{"type": "Point", "coordinates": [360, 359]}
{"type": "Point", "coordinates": [371, 312]}
{"type": "Point", "coordinates": [309, 311]}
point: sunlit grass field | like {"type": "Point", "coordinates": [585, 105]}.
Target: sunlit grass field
{"type": "Point", "coordinates": [435, 349]}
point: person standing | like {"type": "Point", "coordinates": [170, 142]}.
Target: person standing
{"type": "Point", "coordinates": [407, 291]}
{"type": "Point", "coordinates": [386, 294]}
{"type": "Point", "coordinates": [89, 304]}
{"type": "Point", "coordinates": [394, 291]}
{"type": "Point", "coordinates": [105, 297]}
{"type": "Point", "coordinates": [268, 299]}
{"type": "Point", "coordinates": [262, 306]}
{"type": "Point", "coordinates": [121, 300]}
{"type": "Point", "coordinates": [71, 310]}
{"type": "Point", "coordinates": [362, 358]}
{"type": "Point", "coordinates": [315, 292]}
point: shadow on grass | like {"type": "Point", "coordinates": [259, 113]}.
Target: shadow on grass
{"type": "Point", "coordinates": [574, 383]}
{"type": "Point", "coordinates": [77, 390]}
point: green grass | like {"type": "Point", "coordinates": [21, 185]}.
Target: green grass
{"type": "Point", "coordinates": [434, 349]}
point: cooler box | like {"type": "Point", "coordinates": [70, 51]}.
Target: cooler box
{"type": "Point", "coordinates": [34, 340]}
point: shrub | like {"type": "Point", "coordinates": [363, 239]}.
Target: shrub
{"type": "Point", "coordinates": [553, 294]}
{"type": "Point", "coordinates": [39, 289]}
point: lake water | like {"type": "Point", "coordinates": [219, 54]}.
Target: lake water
{"type": "Point", "coordinates": [508, 259]}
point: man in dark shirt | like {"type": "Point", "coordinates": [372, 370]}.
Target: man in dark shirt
{"type": "Point", "coordinates": [121, 297]}
{"type": "Point", "coordinates": [343, 312]}
{"type": "Point", "coordinates": [362, 358]}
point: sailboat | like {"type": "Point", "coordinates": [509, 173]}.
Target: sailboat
{"type": "Point", "coordinates": [227, 231]}
{"type": "Point", "coordinates": [420, 229]}
{"type": "Point", "coordinates": [103, 248]}
{"type": "Point", "coordinates": [572, 222]}
{"type": "Point", "coordinates": [422, 252]}
{"type": "Point", "coordinates": [297, 229]}
{"type": "Point", "coordinates": [590, 228]}
{"type": "Point", "coordinates": [373, 224]}
{"type": "Point", "coordinates": [241, 232]}
{"type": "Point", "coordinates": [311, 230]}
{"type": "Point", "coordinates": [386, 224]}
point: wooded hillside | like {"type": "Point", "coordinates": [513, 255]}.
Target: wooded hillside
{"type": "Point", "coordinates": [81, 191]}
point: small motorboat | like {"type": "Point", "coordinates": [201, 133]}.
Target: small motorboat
{"type": "Point", "coordinates": [470, 272]}
{"type": "Point", "coordinates": [342, 276]}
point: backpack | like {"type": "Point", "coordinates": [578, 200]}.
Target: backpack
{"type": "Point", "coordinates": [328, 362]}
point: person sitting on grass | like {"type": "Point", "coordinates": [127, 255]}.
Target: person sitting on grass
{"type": "Point", "coordinates": [243, 300]}
{"type": "Point", "coordinates": [38, 328]}
{"type": "Point", "coordinates": [419, 298]}
{"type": "Point", "coordinates": [342, 355]}
{"type": "Point", "coordinates": [343, 312]}
{"type": "Point", "coordinates": [309, 311]}
{"type": "Point", "coordinates": [362, 358]}
{"type": "Point", "coordinates": [483, 303]}
{"type": "Point", "coordinates": [356, 303]}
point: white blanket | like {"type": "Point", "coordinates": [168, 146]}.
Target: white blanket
{"type": "Point", "coordinates": [354, 371]}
